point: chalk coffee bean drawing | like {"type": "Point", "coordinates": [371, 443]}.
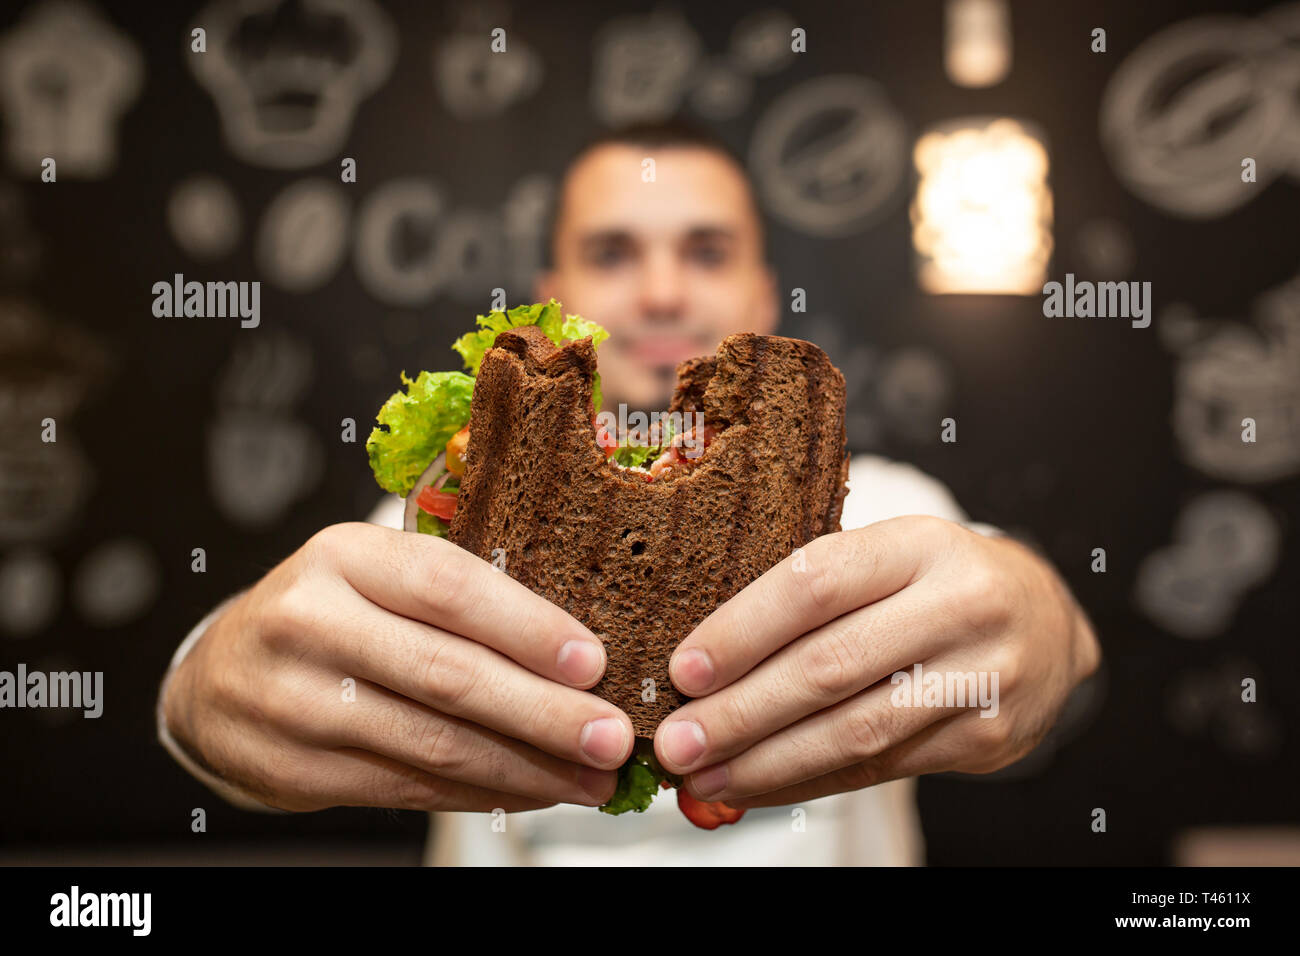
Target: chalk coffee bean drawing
{"type": "Point", "coordinates": [303, 236]}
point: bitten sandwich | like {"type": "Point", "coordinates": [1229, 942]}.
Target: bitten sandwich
{"type": "Point", "coordinates": [639, 534]}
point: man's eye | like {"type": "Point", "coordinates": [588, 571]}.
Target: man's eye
{"type": "Point", "coordinates": [707, 254]}
{"type": "Point", "coordinates": [606, 257]}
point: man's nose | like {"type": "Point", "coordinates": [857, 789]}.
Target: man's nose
{"type": "Point", "coordinates": [663, 287]}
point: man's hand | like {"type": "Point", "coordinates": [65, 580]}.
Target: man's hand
{"type": "Point", "coordinates": [793, 673]}
{"type": "Point", "coordinates": [460, 679]}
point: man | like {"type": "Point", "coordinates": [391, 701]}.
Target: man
{"type": "Point", "coordinates": [469, 687]}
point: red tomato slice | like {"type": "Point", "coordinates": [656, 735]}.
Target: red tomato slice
{"type": "Point", "coordinates": [605, 441]}
{"type": "Point", "coordinates": [440, 504]}
{"type": "Point", "coordinates": [706, 816]}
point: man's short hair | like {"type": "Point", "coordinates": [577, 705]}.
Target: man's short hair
{"type": "Point", "coordinates": [661, 134]}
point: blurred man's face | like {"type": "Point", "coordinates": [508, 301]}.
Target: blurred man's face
{"type": "Point", "coordinates": [669, 267]}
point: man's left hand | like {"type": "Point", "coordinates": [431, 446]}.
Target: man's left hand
{"type": "Point", "coordinates": [793, 674]}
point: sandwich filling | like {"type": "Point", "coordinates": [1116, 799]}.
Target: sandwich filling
{"type": "Point", "coordinates": [665, 455]}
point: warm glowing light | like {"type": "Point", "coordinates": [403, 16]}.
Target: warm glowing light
{"type": "Point", "coordinates": [982, 216]}
{"type": "Point", "coordinates": [977, 42]}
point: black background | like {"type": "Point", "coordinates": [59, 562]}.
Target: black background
{"type": "Point", "coordinates": [1064, 425]}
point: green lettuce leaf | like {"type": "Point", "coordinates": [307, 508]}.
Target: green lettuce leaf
{"type": "Point", "coordinates": [638, 781]}
{"type": "Point", "coordinates": [634, 456]}
{"type": "Point", "coordinates": [559, 328]}
{"type": "Point", "coordinates": [426, 523]}
{"type": "Point", "coordinates": [436, 405]}
{"type": "Point", "coordinates": [473, 345]}
{"type": "Point", "coordinates": [576, 327]}
{"type": "Point", "coordinates": [419, 423]}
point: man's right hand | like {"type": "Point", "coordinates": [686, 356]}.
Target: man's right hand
{"type": "Point", "coordinates": [466, 685]}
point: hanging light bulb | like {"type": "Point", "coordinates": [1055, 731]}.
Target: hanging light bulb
{"type": "Point", "coordinates": [977, 42]}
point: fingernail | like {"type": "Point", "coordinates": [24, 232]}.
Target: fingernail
{"type": "Point", "coordinates": [710, 782]}
{"type": "Point", "coordinates": [683, 742]}
{"type": "Point", "coordinates": [603, 740]}
{"type": "Point", "coordinates": [596, 783]}
{"type": "Point", "coordinates": [580, 661]}
{"type": "Point", "coordinates": [693, 671]}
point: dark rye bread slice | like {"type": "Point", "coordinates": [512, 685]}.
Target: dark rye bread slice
{"type": "Point", "coordinates": [641, 564]}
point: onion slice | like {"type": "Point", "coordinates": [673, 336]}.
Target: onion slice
{"type": "Point", "coordinates": [429, 476]}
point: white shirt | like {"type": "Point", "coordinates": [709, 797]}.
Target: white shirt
{"type": "Point", "coordinates": [875, 826]}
